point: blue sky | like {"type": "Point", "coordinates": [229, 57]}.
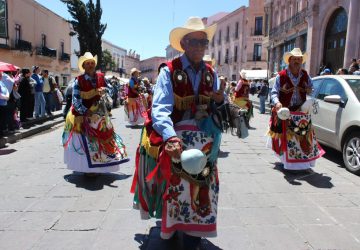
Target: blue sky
{"type": "Point", "coordinates": [144, 25]}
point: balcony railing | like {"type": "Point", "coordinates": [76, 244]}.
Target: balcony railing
{"type": "Point", "coordinates": [23, 45]}
{"type": "Point", "coordinates": [253, 58]}
{"type": "Point", "coordinates": [65, 57]}
{"type": "Point", "coordinates": [45, 51]}
{"type": "Point", "coordinates": [295, 20]}
{"type": "Point", "coordinates": [256, 32]}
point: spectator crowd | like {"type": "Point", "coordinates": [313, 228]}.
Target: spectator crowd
{"type": "Point", "coordinates": [25, 95]}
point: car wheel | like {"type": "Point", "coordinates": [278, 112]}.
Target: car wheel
{"type": "Point", "coordinates": [351, 153]}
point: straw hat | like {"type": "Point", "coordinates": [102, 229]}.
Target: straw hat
{"type": "Point", "coordinates": [295, 52]}
{"type": "Point", "coordinates": [133, 70]}
{"type": "Point", "coordinates": [86, 57]}
{"type": "Point", "coordinates": [243, 74]}
{"type": "Point", "coordinates": [193, 24]}
{"type": "Point", "coordinates": [145, 79]}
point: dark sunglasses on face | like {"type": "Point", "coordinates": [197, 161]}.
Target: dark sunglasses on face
{"type": "Point", "coordinates": [197, 42]}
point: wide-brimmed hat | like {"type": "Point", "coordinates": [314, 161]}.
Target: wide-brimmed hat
{"type": "Point", "coordinates": [193, 24]}
{"type": "Point", "coordinates": [193, 161]}
{"type": "Point", "coordinates": [133, 70]}
{"type": "Point", "coordinates": [295, 52]}
{"type": "Point", "coordinates": [86, 57]}
{"type": "Point", "coordinates": [243, 74]}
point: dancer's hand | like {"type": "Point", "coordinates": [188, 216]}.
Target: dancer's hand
{"type": "Point", "coordinates": [173, 147]}
{"type": "Point", "coordinates": [278, 106]}
{"type": "Point", "coordinates": [101, 91]}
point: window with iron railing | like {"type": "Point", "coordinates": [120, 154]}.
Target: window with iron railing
{"type": "Point", "coordinates": [17, 33]}
{"type": "Point", "coordinates": [258, 26]}
{"type": "Point", "coordinates": [227, 34]}
{"type": "Point", "coordinates": [219, 57]}
{"type": "Point", "coordinates": [235, 53]}
{"type": "Point", "coordinates": [43, 40]}
{"type": "Point", "coordinates": [219, 38]}
{"type": "Point", "coordinates": [237, 30]}
{"type": "Point", "coordinates": [213, 41]}
{"type": "Point", "coordinates": [226, 61]}
{"type": "Point", "coordinates": [257, 52]}
{"type": "Point", "coordinates": [3, 19]}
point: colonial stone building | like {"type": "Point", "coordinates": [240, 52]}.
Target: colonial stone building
{"type": "Point", "coordinates": [118, 55]}
{"type": "Point", "coordinates": [31, 34]}
{"type": "Point", "coordinates": [132, 60]}
{"type": "Point", "coordinates": [149, 67]}
{"type": "Point", "coordinates": [328, 31]}
{"type": "Point", "coordinates": [237, 43]}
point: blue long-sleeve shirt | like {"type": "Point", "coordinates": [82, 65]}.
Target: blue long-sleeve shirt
{"type": "Point", "coordinates": [295, 99]}
{"type": "Point", "coordinates": [163, 99]}
{"type": "Point", "coordinates": [39, 82]}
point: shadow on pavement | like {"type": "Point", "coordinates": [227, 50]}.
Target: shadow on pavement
{"type": "Point", "coordinates": [134, 126]}
{"type": "Point", "coordinates": [333, 156]}
{"type": "Point", "coordinates": [152, 241]}
{"type": "Point", "coordinates": [7, 151]}
{"type": "Point", "coordinates": [311, 177]}
{"type": "Point", "coordinates": [94, 183]}
{"type": "Point", "coordinates": [223, 154]}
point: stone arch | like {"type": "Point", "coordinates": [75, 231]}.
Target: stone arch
{"type": "Point", "coordinates": [334, 38]}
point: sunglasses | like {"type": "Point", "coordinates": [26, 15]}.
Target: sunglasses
{"type": "Point", "coordinates": [197, 42]}
{"type": "Point", "coordinates": [89, 63]}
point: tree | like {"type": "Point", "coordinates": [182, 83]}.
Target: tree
{"type": "Point", "coordinates": [87, 25]}
{"type": "Point", "coordinates": [108, 62]}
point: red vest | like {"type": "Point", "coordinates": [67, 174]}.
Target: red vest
{"type": "Point", "coordinates": [132, 93]}
{"type": "Point", "coordinates": [287, 87]}
{"type": "Point", "coordinates": [88, 93]}
{"type": "Point", "coordinates": [183, 91]}
{"type": "Point", "coordinates": [243, 91]}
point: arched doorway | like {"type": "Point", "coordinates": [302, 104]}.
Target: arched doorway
{"type": "Point", "coordinates": [335, 38]}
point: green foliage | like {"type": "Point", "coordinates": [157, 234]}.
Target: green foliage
{"type": "Point", "coordinates": [87, 25]}
{"type": "Point", "coordinates": [107, 61]}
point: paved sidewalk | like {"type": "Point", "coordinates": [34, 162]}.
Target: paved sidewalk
{"type": "Point", "coordinates": [33, 127]}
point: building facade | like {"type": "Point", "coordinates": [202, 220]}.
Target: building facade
{"type": "Point", "coordinates": [132, 60]}
{"type": "Point", "coordinates": [31, 34]}
{"type": "Point", "coordinates": [237, 43]}
{"type": "Point", "coordinates": [328, 31]}
{"type": "Point", "coordinates": [149, 67]}
{"type": "Point", "coordinates": [171, 53]}
{"type": "Point", "coordinates": [118, 55]}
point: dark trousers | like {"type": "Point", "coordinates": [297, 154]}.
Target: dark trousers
{"type": "Point", "coordinates": [26, 107]}
{"type": "Point", "coordinates": [2, 119]}
{"type": "Point", "coordinates": [49, 102]}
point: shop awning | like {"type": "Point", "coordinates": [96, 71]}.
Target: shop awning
{"type": "Point", "coordinates": [256, 74]}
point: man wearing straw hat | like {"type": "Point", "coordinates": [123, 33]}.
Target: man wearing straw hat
{"type": "Point", "coordinates": [293, 138]}
{"type": "Point", "coordinates": [176, 172]}
{"type": "Point", "coordinates": [91, 145]}
{"type": "Point", "coordinates": [135, 106]}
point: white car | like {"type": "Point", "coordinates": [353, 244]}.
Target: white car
{"type": "Point", "coordinates": [336, 116]}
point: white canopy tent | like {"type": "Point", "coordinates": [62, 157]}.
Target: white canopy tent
{"type": "Point", "coordinates": [256, 74]}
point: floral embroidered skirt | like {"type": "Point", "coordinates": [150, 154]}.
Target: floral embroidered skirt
{"type": "Point", "coordinates": [91, 145]}
{"type": "Point", "coordinates": [181, 203]}
{"type": "Point", "coordinates": [135, 110]}
{"type": "Point", "coordinates": [294, 141]}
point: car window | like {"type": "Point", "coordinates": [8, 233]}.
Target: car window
{"type": "Point", "coordinates": [331, 87]}
{"type": "Point", "coordinates": [355, 86]}
{"type": "Point", "coordinates": [316, 87]}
